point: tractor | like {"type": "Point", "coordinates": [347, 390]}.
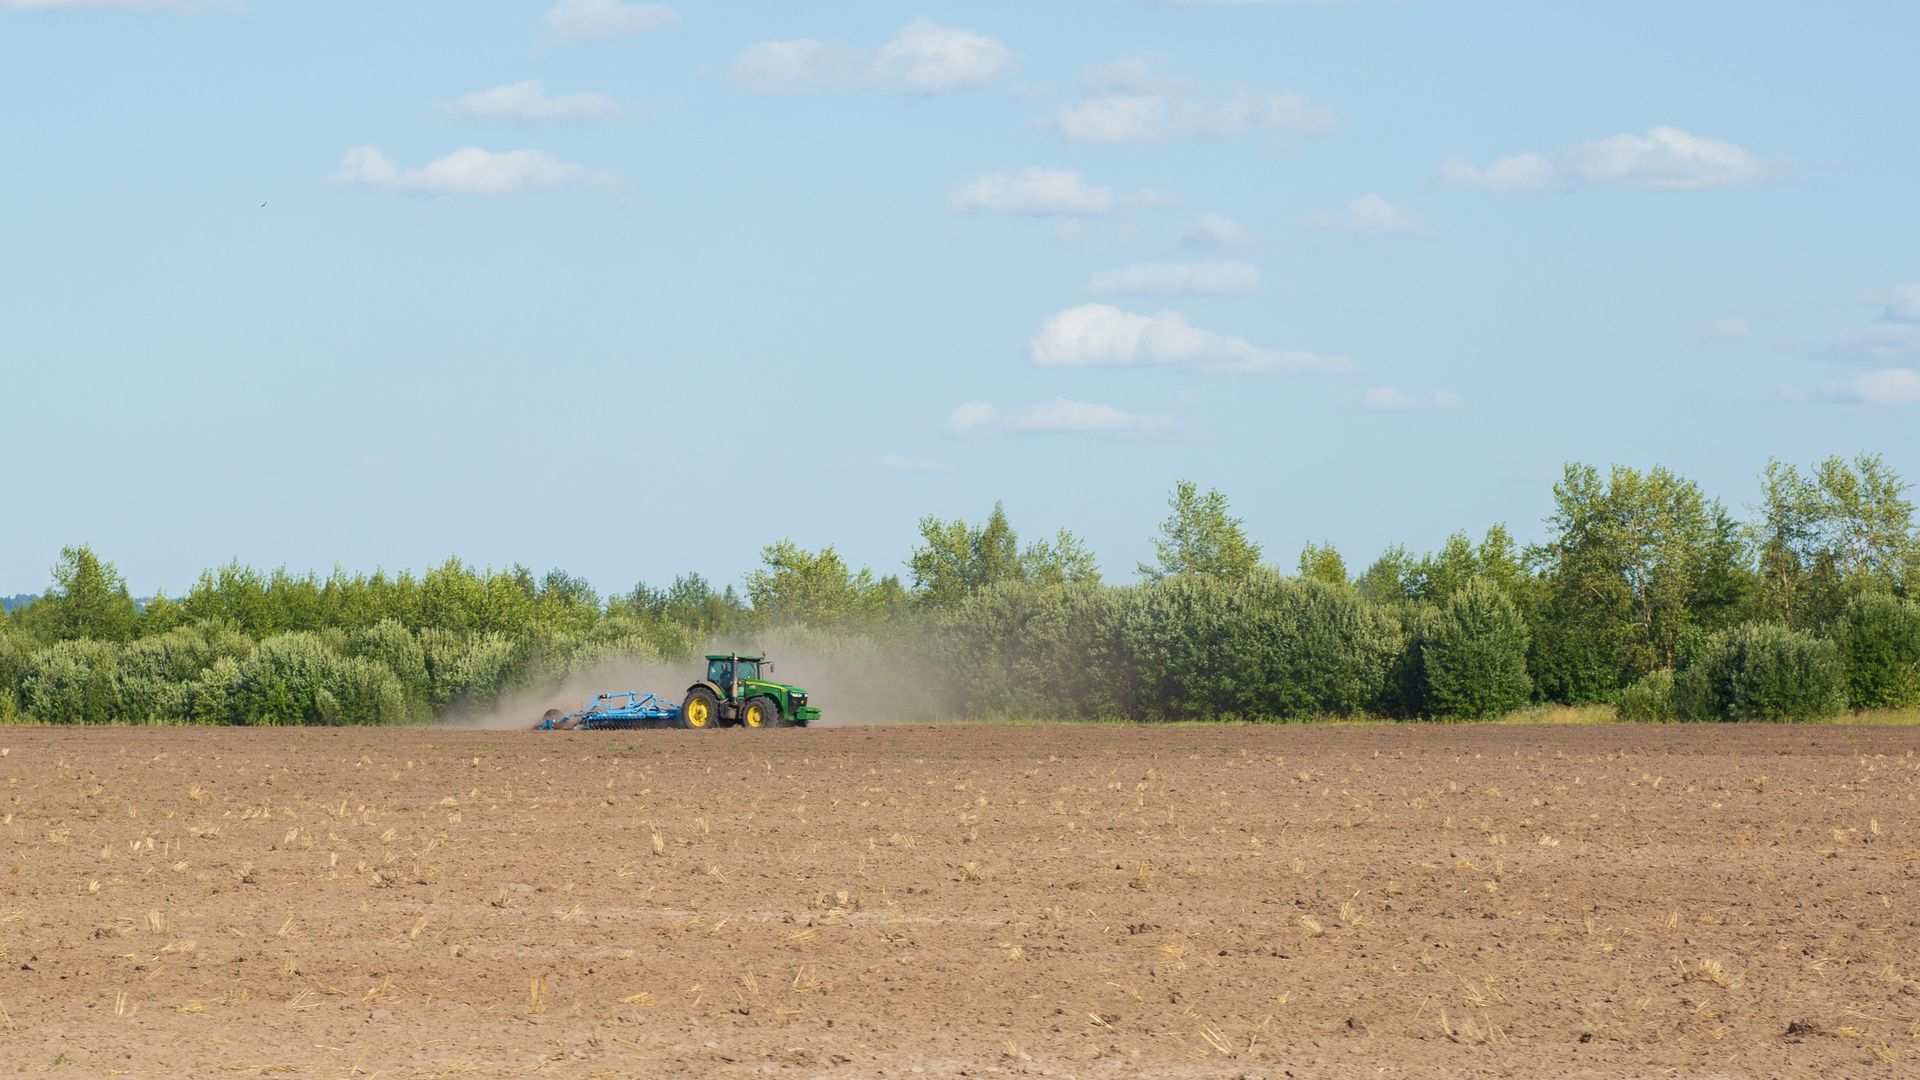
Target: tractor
{"type": "Point", "coordinates": [735, 693]}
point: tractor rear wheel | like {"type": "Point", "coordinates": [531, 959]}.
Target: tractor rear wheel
{"type": "Point", "coordinates": [701, 710]}
{"type": "Point", "coordinates": [760, 712]}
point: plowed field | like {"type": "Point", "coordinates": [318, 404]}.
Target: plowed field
{"type": "Point", "coordinates": [978, 901]}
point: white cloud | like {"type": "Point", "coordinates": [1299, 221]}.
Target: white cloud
{"type": "Point", "coordinates": [1136, 74]}
{"type": "Point", "coordinates": [1061, 416]}
{"type": "Point", "coordinates": [580, 20]}
{"type": "Point", "coordinates": [1888, 386]}
{"type": "Point", "coordinates": [1368, 214]}
{"type": "Point", "coordinates": [1665, 158]}
{"type": "Point", "coordinates": [898, 463]}
{"type": "Point", "coordinates": [1390, 399]}
{"type": "Point", "coordinates": [1518, 172]}
{"type": "Point", "coordinates": [529, 102]}
{"type": "Point", "coordinates": [924, 57]}
{"type": "Point", "coordinates": [1882, 341]}
{"type": "Point", "coordinates": [468, 171]}
{"type": "Point", "coordinates": [1216, 231]}
{"type": "Point", "coordinates": [1725, 330]}
{"type": "Point", "coordinates": [1048, 191]}
{"type": "Point", "coordinates": [780, 67]}
{"type": "Point", "coordinates": [929, 58]}
{"type": "Point", "coordinates": [1903, 302]}
{"type": "Point", "coordinates": [1100, 335]}
{"type": "Point", "coordinates": [1118, 119]}
{"type": "Point", "coordinates": [1179, 278]}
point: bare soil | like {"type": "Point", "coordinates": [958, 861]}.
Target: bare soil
{"type": "Point", "coordinates": [961, 901]}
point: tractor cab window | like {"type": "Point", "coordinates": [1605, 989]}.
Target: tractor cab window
{"type": "Point", "coordinates": [748, 669]}
{"type": "Point", "coordinates": [720, 673]}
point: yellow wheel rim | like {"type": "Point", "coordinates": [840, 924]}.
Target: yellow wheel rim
{"type": "Point", "coordinates": [755, 717]}
{"type": "Point", "coordinates": [698, 713]}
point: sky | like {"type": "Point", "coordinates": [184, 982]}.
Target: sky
{"type": "Point", "coordinates": [636, 289]}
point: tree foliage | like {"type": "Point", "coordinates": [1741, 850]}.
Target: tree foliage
{"type": "Point", "coordinates": [1643, 591]}
{"type": "Point", "coordinates": [1473, 658]}
{"type": "Point", "coordinates": [1201, 537]}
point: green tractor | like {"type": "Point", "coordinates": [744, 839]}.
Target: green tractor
{"type": "Point", "coordinates": [733, 693]}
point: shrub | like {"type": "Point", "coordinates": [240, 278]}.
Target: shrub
{"type": "Point", "coordinates": [210, 698]}
{"type": "Point", "coordinates": [1474, 656]}
{"type": "Point", "coordinates": [471, 670]}
{"type": "Point", "coordinates": [1404, 693]}
{"type": "Point", "coordinates": [14, 661]}
{"type": "Point", "coordinates": [1879, 640]}
{"type": "Point", "coordinates": [394, 647]}
{"type": "Point", "coordinates": [1761, 671]}
{"type": "Point", "coordinates": [1651, 698]}
{"type": "Point", "coordinates": [1257, 646]}
{"type": "Point", "coordinates": [281, 680]}
{"type": "Point", "coordinates": [71, 682]}
{"type": "Point", "coordinates": [1039, 651]}
{"type": "Point", "coordinates": [361, 691]}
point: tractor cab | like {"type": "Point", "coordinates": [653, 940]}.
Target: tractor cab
{"type": "Point", "coordinates": [736, 691]}
{"type": "Point", "coordinates": [722, 671]}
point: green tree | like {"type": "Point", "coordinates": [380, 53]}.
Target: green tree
{"type": "Point", "coordinates": [1390, 579]}
{"type": "Point", "coordinates": [1879, 639]}
{"type": "Point", "coordinates": [797, 585]}
{"type": "Point", "coordinates": [1638, 563]}
{"type": "Point", "coordinates": [1824, 538]}
{"type": "Point", "coordinates": [1495, 561]}
{"type": "Point", "coordinates": [1760, 671]}
{"type": "Point", "coordinates": [1322, 563]}
{"type": "Point", "coordinates": [1474, 655]}
{"type": "Point", "coordinates": [1064, 560]}
{"type": "Point", "coordinates": [88, 600]}
{"type": "Point", "coordinates": [1200, 537]}
{"type": "Point", "coordinates": [955, 559]}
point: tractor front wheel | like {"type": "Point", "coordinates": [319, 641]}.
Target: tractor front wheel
{"type": "Point", "coordinates": [701, 710]}
{"type": "Point", "coordinates": [760, 712]}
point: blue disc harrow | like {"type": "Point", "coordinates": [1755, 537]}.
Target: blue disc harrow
{"type": "Point", "coordinates": [609, 712]}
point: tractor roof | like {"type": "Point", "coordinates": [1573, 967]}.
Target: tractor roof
{"type": "Point", "coordinates": [735, 656]}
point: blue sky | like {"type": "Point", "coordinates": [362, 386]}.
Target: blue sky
{"type": "Point", "coordinates": [635, 289]}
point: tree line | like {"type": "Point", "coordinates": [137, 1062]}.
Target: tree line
{"type": "Point", "coordinates": [1647, 594]}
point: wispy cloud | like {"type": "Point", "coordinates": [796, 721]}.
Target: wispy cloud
{"type": "Point", "coordinates": [1724, 330]}
{"type": "Point", "coordinates": [469, 171]}
{"type": "Point", "coordinates": [1902, 302]}
{"type": "Point", "coordinates": [1175, 279]}
{"type": "Point", "coordinates": [1100, 335]}
{"type": "Point", "coordinates": [1061, 416]}
{"type": "Point", "coordinates": [1894, 336]}
{"type": "Point", "coordinates": [930, 58]}
{"type": "Point", "coordinates": [1665, 158]}
{"type": "Point", "coordinates": [1368, 214]}
{"type": "Point", "coordinates": [584, 20]}
{"type": "Point", "coordinates": [781, 67]}
{"type": "Point", "coordinates": [1887, 386]}
{"type": "Point", "coordinates": [1048, 191]}
{"type": "Point", "coordinates": [925, 57]}
{"type": "Point", "coordinates": [1216, 231]}
{"type": "Point", "coordinates": [529, 102]}
{"type": "Point", "coordinates": [1122, 119]}
{"type": "Point", "coordinates": [1391, 399]}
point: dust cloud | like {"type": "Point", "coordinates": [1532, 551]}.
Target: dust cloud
{"type": "Point", "coordinates": [854, 681]}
